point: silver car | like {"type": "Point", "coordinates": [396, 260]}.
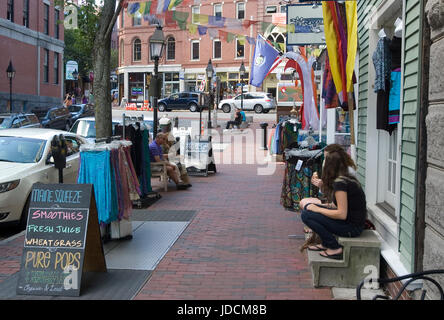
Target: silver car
{"type": "Point", "coordinates": [259, 102]}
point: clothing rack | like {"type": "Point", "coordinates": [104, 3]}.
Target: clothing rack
{"type": "Point", "coordinates": [130, 120]}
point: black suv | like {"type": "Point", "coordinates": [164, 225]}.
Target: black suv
{"type": "Point", "coordinates": [19, 120]}
{"type": "Point", "coordinates": [81, 111]}
{"type": "Point", "coordinates": [54, 118]}
{"type": "Point", "coordinates": [181, 101]}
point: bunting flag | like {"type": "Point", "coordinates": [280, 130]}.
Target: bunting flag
{"type": "Point", "coordinates": [213, 33]}
{"type": "Point", "coordinates": [162, 6]}
{"type": "Point", "coordinates": [181, 19]}
{"type": "Point", "coordinates": [192, 28]}
{"type": "Point", "coordinates": [264, 56]}
{"type": "Point", "coordinates": [174, 3]}
{"type": "Point", "coordinates": [202, 30]}
{"type": "Point", "coordinates": [133, 8]}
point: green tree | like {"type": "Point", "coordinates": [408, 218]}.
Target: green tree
{"type": "Point", "coordinates": [95, 24]}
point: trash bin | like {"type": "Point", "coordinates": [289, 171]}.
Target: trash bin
{"type": "Point", "coordinates": [264, 126]}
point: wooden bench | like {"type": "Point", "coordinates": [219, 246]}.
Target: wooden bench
{"type": "Point", "coordinates": [161, 174]}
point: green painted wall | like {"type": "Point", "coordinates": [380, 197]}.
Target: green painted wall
{"type": "Point", "coordinates": [410, 106]}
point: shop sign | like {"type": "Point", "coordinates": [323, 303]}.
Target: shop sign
{"type": "Point", "coordinates": [136, 91]}
{"type": "Point", "coordinates": [62, 239]}
{"type": "Point", "coordinates": [308, 25]}
{"type": "Point", "coordinates": [71, 67]}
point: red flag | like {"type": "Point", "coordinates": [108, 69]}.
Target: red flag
{"type": "Point", "coordinates": [169, 21]}
{"type": "Point", "coordinates": [223, 35]}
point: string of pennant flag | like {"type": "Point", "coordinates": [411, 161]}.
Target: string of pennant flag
{"type": "Point", "coordinates": [202, 24]}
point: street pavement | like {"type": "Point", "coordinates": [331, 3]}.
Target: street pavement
{"type": "Point", "coordinates": [236, 247]}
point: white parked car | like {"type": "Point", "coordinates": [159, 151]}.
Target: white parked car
{"type": "Point", "coordinates": [25, 158]}
{"type": "Point", "coordinates": [260, 102]}
{"type": "Point", "coordinates": [86, 127]}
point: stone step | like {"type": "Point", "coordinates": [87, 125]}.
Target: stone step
{"type": "Point", "coordinates": [360, 259]}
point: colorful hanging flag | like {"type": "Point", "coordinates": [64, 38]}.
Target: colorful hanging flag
{"type": "Point", "coordinates": [202, 30]}
{"type": "Point", "coordinates": [334, 42]}
{"type": "Point", "coordinates": [162, 6]}
{"type": "Point", "coordinates": [250, 40]}
{"type": "Point", "coordinates": [133, 8]}
{"type": "Point", "coordinates": [230, 37]}
{"type": "Point", "coordinates": [169, 21]}
{"type": "Point", "coordinates": [264, 56]}
{"type": "Point", "coordinates": [223, 35]}
{"type": "Point", "coordinates": [181, 18]}
{"type": "Point", "coordinates": [192, 28]}
{"type": "Point", "coordinates": [352, 41]}
{"type": "Point", "coordinates": [174, 3]}
{"type": "Point", "coordinates": [213, 33]}
{"type": "Point", "coordinates": [216, 21]}
{"type": "Point", "coordinates": [241, 40]}
{"type": "Point", "coordinates": [153, 7]}
{"type": "Point", "coordinates": [276, 62]}
{"type": "Point", "coordinates": [142, 7]}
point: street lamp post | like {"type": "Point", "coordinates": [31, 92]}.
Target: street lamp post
{"type": "Point", "coordinates": [210, 73]}
{"type": "Point", "coordinates": [157, 43]}
{"type": "Point", "coordinates": [11, 74]}
{"type": "Point", "coordinates": [242, 75]}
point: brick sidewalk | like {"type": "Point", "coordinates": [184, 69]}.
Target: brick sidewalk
{"type": "Point", "coordinates": [237, 246]}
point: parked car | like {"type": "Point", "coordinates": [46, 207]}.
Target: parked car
{"type": "Point", "coordinates": [54, 118]}
{"type": "Point", "coordinates": [19, 120]}
{"type": "Point", "coordinates": [25, 158]}
{"type": "Point", "coordinates": [259, 102]}
{"type": "Point", "coordinates": [86, 127]}
{"type": "Point", "coordinates": [180, 101]}
{"type": "Point", "coordinates": [80, 111]}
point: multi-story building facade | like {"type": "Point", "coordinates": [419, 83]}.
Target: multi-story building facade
{"type": "Point", "coordinates": [187, 52]}
{"type": "Point", "coordinates": [32, 38]}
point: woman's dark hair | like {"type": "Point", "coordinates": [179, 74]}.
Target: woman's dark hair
{"type": "Point", "coordinates": [337, 163]}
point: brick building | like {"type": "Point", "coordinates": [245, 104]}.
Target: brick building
{"type": "Point", "coordinates": [32, 39]}
{"type": "Point", "coordinates": [187, 53]}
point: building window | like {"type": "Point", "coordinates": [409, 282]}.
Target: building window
{"type": "Point", "coordinates": [283, 9]}
{"type": "Point", "coordinates": [56, 23]}
{"type": "Point", "coordinates": [218, 10]}
{"type": "Point", "coordinates": [137, 19]}
{"type": "Point", "coordinates": [46, 19]}
{"type": "Point", "coordinates": [195, 50]}
{"type": "Point", "coordinates": [171, 48]}
{"type": "Point", "coordinates": [217, 49]}
{"type": "Point", "coordinates": [46, 66]}
{"type": "Point", "coordinates": [194, 11]}
{"type": "Point", "coordinates": [240, 49]}
{"type": "Point", "coordinates": [122, 50]}
{"type": "Point", "coordinates": [240, 10]}
{"type": "Point", "coordinates": [137, 50]}
{"type": "Point", "coordinates": [10, 11]}
{"type": "Point", "coordinates": [26, 13]}
{"type": "Point", "coordinates": [271, 9]}
{"type": "Point", "coordinates": [56, 68]}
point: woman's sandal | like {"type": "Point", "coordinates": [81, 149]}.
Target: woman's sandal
{"type": "Point", "coordinates": [337, 256]}
{"type": "Point", "coordinates": [316, 248]}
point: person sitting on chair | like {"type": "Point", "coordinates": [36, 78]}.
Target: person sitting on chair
{"type": "Point", "coordinates": [237, 120]}
{"type": "Point", "coordinates": [156, 155]}
{"type": "Point", "coordinates": [170, 149]}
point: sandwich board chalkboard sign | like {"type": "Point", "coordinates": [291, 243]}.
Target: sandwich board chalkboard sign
{"type": "Point", "coordinates": [62, 239]}
{"type": "Point", "coordinates": [199, 158]}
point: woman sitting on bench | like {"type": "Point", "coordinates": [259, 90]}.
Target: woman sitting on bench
{"type": "Point", "coordinates": [344, 217]}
